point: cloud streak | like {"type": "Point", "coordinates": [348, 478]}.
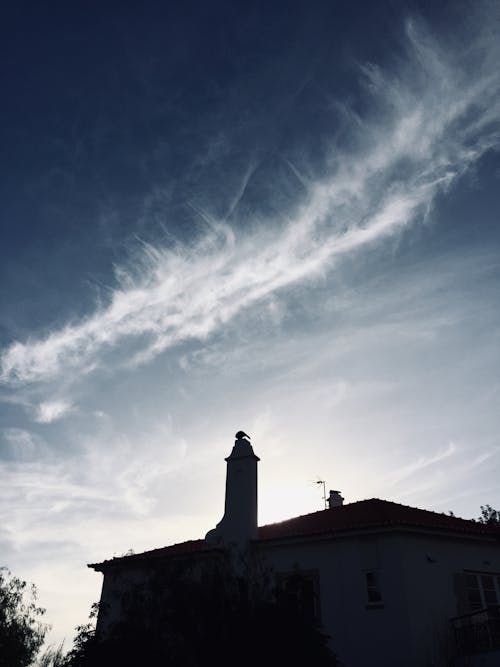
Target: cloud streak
{"type": "Point", "coordinates": [423, 462]}
{"type": "Point", "coordinates": [422, 137]}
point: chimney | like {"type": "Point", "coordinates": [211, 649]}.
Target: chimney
{"type": "Point", "coordinates": [335, 499]}
{"type": "Point", "coordinates": [239, 523]}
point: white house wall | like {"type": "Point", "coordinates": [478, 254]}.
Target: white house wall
{"type": "Point", "coordinates": [115, 583]}
{"type": "Point", "coordinates": [417, 584]}
{"type": "Point", "coordinates": [357, 633]}
{"type": "Point", "coordinates": [417, 581]}
{"type": "Point", "coordinates": [430, 566]}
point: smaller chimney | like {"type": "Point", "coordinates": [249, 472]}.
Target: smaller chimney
{"type": "Point", "coordinates": [335, 499]}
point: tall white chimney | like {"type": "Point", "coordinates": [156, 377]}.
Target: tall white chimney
{"type": "Point", "coordinates": [239, 523]}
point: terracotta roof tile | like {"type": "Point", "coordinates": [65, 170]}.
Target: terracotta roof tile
{"type": "Point", "coordinates": [370, 513]}
{"type": "Point", "coordinates": [181, 549]}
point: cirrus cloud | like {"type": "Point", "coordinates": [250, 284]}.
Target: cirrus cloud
{"type": "Point", "coordinates": [421, 137]}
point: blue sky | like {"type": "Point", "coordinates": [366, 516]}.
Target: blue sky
{"type": "Point", "coordinates": [277, 218]}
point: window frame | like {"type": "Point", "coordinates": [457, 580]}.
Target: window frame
{"type": "Point", "coordinates": [483, 604]}
{"type": "Point", "coordinates": [371, 587]}
{"type": "Point", "coordinates": [311, 576]}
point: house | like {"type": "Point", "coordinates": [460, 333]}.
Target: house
{"type": "Point", "coordinates": [392, 585]}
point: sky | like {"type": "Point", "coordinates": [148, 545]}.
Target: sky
{"type": "Point", "coordinates": [277, 217]}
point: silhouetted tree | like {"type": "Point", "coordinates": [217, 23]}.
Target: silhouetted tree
{"type": "Point", "coordinates": [21, 631]}
{"type": "Point", "coordinates": [180, 619]}
{"type": "Point", "coordinates": [52, 657]}
{"type": "Point", "coordinates": [84, 644]}
{"type": "Point", "coordinates": [489, 515]}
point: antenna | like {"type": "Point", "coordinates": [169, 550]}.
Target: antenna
{"type": "Point", "coordinates": [322, 481]}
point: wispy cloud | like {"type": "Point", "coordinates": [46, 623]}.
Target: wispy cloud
{"type": "Point", "coordinates": [421, 463]}
{"type": "Point", "coordinates": [433, 120]}
{"type": "Point", "coordinates": [50, 411]}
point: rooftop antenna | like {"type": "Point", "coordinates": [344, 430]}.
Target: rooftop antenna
{"type": "Point", "coordinates": [322, 481]}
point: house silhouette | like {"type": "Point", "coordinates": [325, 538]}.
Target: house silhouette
{"type": "Point", "coordinates": [392, 585]}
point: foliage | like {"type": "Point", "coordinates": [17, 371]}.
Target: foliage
{"type": "Point", "coordinates": [21, 631]}
{"type": "Point", "coordinates": [185, 617]}
{"type": "Point", "coordinates": [489, 516]}
{"type": "Point", "coordinates": [52, 657]}
{"type": "Point", "coordinates": [84, 642]}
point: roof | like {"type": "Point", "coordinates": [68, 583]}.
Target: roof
{"type": "Point", "coordinates": [182, 549]}
{"type": "Point", "coordinates": [365, 514]}
{"type": "Point", "coordinates": [373, 513]}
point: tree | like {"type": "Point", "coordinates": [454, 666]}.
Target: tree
{"type": "Point", "coordinates": [21, 630]}
{"type": "Point", "coordinates": [84, 644]}
{"type": "Point", "coordinates": [181, 618]}
{"type": "Point", "coordinates": [489, 516]}
{"type": "Point", "coordinates": [52, 657]}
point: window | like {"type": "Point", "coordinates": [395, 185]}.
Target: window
{"type": "Point", "coordinates": [373, 592]}
{"type": "Point", "coordinates": [483, 590]}
{"type": "Point", "coordinates": [300, 590]}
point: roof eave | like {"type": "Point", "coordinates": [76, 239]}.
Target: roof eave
{"type": "Point", "coordinates": [139, 559]}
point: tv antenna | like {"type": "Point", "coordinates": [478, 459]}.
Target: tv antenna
{"type": "Point", "coordinates": [322, 481]}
